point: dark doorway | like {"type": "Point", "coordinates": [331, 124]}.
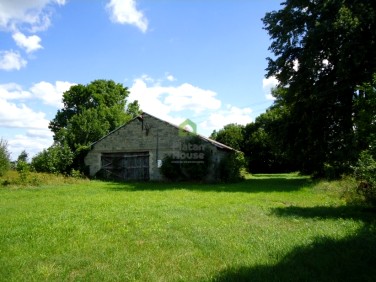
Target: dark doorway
{"type": "Point", "coordinates": [126, 166]}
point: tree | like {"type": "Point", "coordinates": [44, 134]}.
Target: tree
{"type": "Point", "coordinates": [133, 109]}
{"type": "Point", "coordinates": [323, 50]}
{"type": "Point", "coordinates": [230, 135]}
{"type": "Point", "coordinates": [264, 146]}
{"type": "Point", "coordinates": [4, 157]}
{"type": "Point", "coordinates": [22, 166]}
{"type": "Point", "coordinates": [365, 117]}
{"type": "Point", "coordinates": [23, 156]}
{"type": "Point", "coordinates": [89, 113]}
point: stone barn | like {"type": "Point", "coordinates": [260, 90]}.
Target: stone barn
{"type": "Point", "coordinates": [136, 150]}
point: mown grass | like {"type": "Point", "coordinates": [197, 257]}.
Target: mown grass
{"type": "Point", "coordinates": [267, 228]}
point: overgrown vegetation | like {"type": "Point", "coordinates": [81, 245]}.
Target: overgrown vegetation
{"type": "Point", "coordinates": [4, 157]}
{"type": "Point", "coordinates": [171, 169]}
{"type": "Point", "coordinates": [24, 174]}
{"type": "Point", "coordinates": [365, 173]}
{"type": "Point", "coordinates": [267, 228]}
{"type": "Point", "coordinates": [31, 179]}
{"type": "Point", "coordinates": [191, 160]}
{"type": "Point", "coordinates": [56, 159]}
{"type": "Point", "coordinates": [23, 169]}
{"type": "Point", "coordinates": [231, 167]}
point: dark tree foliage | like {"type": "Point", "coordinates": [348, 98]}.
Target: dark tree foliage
{"type": "Point", "coordinates": [365, 117]}
{"type": "Point", "coordinates": [230, 135]}
{"type": "Point", "coordinates": [23, 157]}
{"type": "Point", "coordinates": [324, 49]}
{"type": "Point", "coordinates": [264, 146]}
{"type": "Point", "coordinates": [262, 141]}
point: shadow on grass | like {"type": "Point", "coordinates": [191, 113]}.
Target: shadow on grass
{"type": "Point", "coordinates": [366, 215]}
{"type": "Point", "coordinates": [254, 185]}
{"type": "Point", "coordinates": [350, 259]}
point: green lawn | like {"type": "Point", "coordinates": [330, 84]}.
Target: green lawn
{"type": "Point", "coordinates": [267, 228]}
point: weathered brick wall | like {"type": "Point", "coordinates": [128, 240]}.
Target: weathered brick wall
{"type": "Point", "coordinates": [157, 137]}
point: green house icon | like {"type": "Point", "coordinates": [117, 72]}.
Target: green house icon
{"type": "Point", "coordinates": [183, 128]}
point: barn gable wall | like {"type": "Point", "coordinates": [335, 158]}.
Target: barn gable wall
{"type": "Point", "coordinates": [151, 135]}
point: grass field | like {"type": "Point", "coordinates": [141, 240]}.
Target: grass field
{"type": "Point", "coordinates": [267, 228]}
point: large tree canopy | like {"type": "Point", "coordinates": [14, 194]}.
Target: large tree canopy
{"type": "Point", "coordinates": [324, 49]}
{"type": "Point", "coordinates": [90, 112]}
{"type": "Point", "coordinates": [230, 135]}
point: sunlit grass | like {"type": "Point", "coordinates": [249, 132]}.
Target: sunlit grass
{"type": "Point", "coordinates": [252, 230]}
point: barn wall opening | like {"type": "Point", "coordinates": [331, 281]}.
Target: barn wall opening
{"type": "Point", "coordinates": [126, 165]}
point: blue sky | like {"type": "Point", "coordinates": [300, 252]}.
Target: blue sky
{"type": "Point", "coordinates": [199, 59]}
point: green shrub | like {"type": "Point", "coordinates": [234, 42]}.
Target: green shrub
{"type": "Point", "coordinates": [75, 173]}
{"type": "Point", "coordinates": [56, 159]}
{"type": "Point", "coordinates": [231, 166]}
{"type": "Point", "coordinates": [23, 170]}
{"type": "Point", "coordinates": [190, 161]}
{"type": "Point", "coordinates": [4, 157]}
{"type": "Point", "coordinates": [198, 159]}
{"type": "Point", "coordinates": [365, 173]}
{"type": "Point", "coordinates": [171, 169]}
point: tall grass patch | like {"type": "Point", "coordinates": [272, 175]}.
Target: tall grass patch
{"type": "Point", "coordinates": [24, 178]}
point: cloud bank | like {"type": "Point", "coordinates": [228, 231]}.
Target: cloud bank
{"type": "Point", "coordinates": [15, 114]}
{"type": "Point", "coordinates": [171, 103]}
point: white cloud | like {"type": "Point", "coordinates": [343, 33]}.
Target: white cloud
{"type": "Point", "coordinates": [32, 142]}
{"type": "Point", "coordinates": [231, 114]}
{"type": "Point", "coordinates": [49, 93]}
{"type": "Point", "coordinates": [29, 43]}
{"type": "Point", "coordinates": [267, 85]}
{"type": "Point", "coordinates": [34, 14]}
{"type": "Point", "coordinates": [21, 116]}
{"type": "Point", "coordinates": [189, 97]}
{"type": "Point", "coordinates": [18, 116]}
{"type": "Point", "coordinates": [125, 12]}
{"type": "Point", "coordinates": [13, 91]}
{"type": "Point", "coordinates": [163, 100]}
{"type": "Point", "coordinates": [170, 77]}
{"type": "Point", "coordinates": [10, 60]}
{"type": "Point", "coordinates": [166, 102]}
{"type": "Point", "coordinates": [30, 15]}
{"type": "Point", "coordinates": [148, 98]}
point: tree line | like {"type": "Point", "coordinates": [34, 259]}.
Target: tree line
{"type": "Point", "coordinates": [324, 115]}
